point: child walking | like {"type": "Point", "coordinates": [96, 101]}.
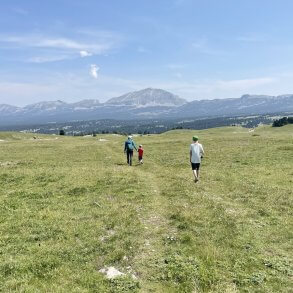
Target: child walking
{"type": "Point", "coordinates": [140, 154]}
{"type": "Point", "coordinates": [196, 154]}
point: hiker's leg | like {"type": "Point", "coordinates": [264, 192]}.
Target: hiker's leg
{"type": "Point", "coordinates": [130, 157]}
{"type": "Point", "coordinates": [197, 171]}
{"type": "Point", "coordinates": [194, 174]}
{"type": "Point", "coordinates": [194, 171]}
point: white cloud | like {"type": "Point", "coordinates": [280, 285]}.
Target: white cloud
{"type": "Point", "coordinates": [85, 45]}
{"type": "Point", "coordinates": [64, 43]}
{"type": "Point", "coordinates": [84, 53]}
{"type": "Point", "coordinates": [51, 49]}
{"type": "Point", "coordinates": [94, 71]}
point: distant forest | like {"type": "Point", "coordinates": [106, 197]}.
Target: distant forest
{"type": "Point", "coordinates": [283, 121]}
{"type": "Point", "coordinates": [125, 127]}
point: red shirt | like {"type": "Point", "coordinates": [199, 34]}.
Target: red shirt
{"type": "Point", "coordinates": [140, 152]}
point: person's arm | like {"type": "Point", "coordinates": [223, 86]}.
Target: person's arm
{"type": "Point", "coordinates": [190, 154]}
{"type": "Point", "coordinates": [134, 145]}
{"type": "Point", "coordinates": [125, 146]}
{"type": "Point", "coordinates": [201, 152]}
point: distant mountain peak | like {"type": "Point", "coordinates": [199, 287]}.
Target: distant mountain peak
{"type": "Point", "coordinates": [147, 103]}
{"type": "Point", "coordinates": [148, 97]}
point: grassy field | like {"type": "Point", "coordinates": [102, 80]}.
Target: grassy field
{"type": "Point", "coordinates": [70, 206]}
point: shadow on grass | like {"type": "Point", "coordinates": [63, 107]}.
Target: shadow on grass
{"type": "Point", "coordinates": [125, 164]}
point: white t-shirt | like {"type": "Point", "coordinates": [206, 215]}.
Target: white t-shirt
{"type": "Point", "coordinates": [197, 151]}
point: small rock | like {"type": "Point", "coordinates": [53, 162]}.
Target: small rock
{"type": "Point", "coordinates": [111, 273]}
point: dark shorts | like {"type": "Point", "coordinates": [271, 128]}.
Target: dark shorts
{"type": "Point", "coordinates": [195, 166]}
{"type": "Point", "coordinates": [139, 158]}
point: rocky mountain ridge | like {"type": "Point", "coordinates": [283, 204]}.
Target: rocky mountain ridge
{"type": "Point", "coordinates": [144, 104]}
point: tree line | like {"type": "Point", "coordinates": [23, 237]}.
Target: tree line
{"type": "Point", "coordinates": [283, 121]}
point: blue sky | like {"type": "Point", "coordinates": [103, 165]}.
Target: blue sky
{"type": "Point", "coordinates": [89, 49]}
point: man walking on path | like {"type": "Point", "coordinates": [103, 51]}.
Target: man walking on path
{"type": "Point", "coordinates": [196, 154]}
{"type": "Point", "coordinates": [128, 149]}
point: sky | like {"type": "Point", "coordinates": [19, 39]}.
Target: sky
{"type": "Point", "coordinates": [72, 50]}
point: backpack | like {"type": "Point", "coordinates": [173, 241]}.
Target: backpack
{"type": "Point", "coordinates": [129, 145]}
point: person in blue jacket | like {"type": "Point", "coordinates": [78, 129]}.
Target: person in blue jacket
{"type": "Point", "coordinates": [128, 149]}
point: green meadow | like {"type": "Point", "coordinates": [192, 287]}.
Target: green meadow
{"type": "Point", "coordinates": [71, 206]}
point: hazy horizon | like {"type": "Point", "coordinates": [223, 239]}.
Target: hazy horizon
{"type": "Point", "coordinates": [76, 50]}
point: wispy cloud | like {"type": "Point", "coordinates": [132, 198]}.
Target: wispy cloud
{"type": "Point", "coordinates": [94, 71]}
{"type": "Point", "coordinates": [84, 53]}
{"type": "Point", "coordinates": [52, 48]}
{"type": "Point", "coordinates": [55, 43]}
{"type": "Point", "coordinates": [46, 59]}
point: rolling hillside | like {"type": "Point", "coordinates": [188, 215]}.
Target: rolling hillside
{"type": "Point", "coordinates": [71, 207]}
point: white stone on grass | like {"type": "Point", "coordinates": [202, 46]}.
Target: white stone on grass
{"type": "Point", "coordinates": [111, 273]}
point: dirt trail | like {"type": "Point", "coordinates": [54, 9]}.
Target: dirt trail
{"type": "Point", "coordinates": [155, 222]}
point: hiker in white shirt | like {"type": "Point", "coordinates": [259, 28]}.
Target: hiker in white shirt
{"type": "Point", "coordinates": [196, 154]}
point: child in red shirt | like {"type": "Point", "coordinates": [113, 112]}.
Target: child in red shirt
{"type": "Point", "coordinates": [140, 154]}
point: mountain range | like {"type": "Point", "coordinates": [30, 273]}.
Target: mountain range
{"type": "Point", "coordinates": [144, 104]}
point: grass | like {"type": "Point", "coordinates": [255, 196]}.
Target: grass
{"type": "Point", "coordinates": [71, 206]}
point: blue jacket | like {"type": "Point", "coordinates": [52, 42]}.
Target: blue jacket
{"type": "Point", "coordinates": [129, 145]}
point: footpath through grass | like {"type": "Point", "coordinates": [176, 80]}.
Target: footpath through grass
{"type": "Point", "coordinates": [70, 206]}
